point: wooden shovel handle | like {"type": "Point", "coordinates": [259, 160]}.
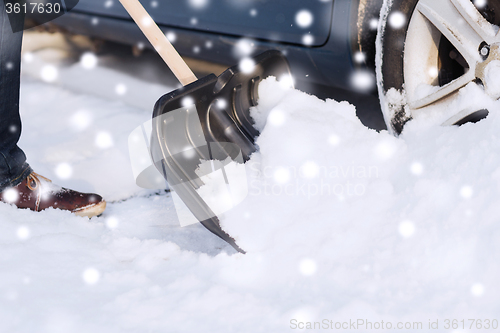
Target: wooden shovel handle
{"type": "Point", "coordinates": [159, 41]}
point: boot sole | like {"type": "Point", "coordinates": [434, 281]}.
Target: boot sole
{"type": "Point", "coordinates": [91, 211]}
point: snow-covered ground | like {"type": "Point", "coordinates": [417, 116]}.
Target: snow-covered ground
{"type": "Point", "coordinates": [342, 224]}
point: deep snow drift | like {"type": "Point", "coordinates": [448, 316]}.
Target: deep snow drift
{"type": "Point", "coordinates": [341, 222]}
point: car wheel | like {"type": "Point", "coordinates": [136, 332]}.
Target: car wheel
{"type": "Point", "coordinates": [427, 50]}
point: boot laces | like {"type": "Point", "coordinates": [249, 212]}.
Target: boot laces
{"type": "Point", "coordinates": [34, 177]}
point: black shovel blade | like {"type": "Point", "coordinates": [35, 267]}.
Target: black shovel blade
{"type": "Point", "coordinates": [209, 120]}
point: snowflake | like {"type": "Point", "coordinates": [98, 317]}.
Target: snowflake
{"type": "Point", "coordinates": [120, 89]}
{"type": "Point", "coordinates": [244, 47]}
{"type": "Point", "coordinates": [28, 57]}
{"type": "Point", "coordinates": [23, 233]}
{"type": "Point", "coordinates": [359, 57]}
{"type": "Point", "coordinates": [477, 289]}
{"type": "Point", "coordinates": [307, 39]}
{"type": "Point", "coordinates": [466, 192]}
{"type": "Point", "coordinates": [362, 80]}
{"type": "Point", "coordinates": [276, 117]}
{"type": "Point", "coordinates": [112, 222]}
{"type": "Point", "coordinates": [307, 267]}
{"type": "Point", "coordinates": [406, 229]}
{"type": "Point", "coordinates": [49, 73]}
{"type": "Point", "coordinates": [171, 36]}
{"type": "Point", "coordinates": [416, 168]}
{"type": "Point", "coordinates": [187, 101]}
{"type": "Point", "coordinates": [198, 4]}
{"type": "Point", "coordinates": [104, 140]}
{"type": "Point", "coordinates": [88, 60]}
{"type": "Point", "coordinates": [221, 103]}
{"type": "Point", "coordinates": [64, 171]}
{"type": "Point", "coordinates": [247, 65]}
{"type": "Point", "coordinates": [281, 175]}
{"type": "Point", "coordinates": [309, 169]}
{"type": "Point", "coordinates": [304, 18]}
{"type": "Point", "coordinates": [91, 276]}
{"type": "Point", "coordinates": [334, 140]}
{"type": "Point", "coordinates": [81, 120]}
{"type": "Point", "coordinates": [480, 3]}
{"type": "Point", "coordinates": [10, 196]}
{"type": "Point", "coordinates": [397, 20]}
{"type": "Point", "coordinates": [286, 81]}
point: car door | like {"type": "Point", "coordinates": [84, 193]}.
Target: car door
{"type": "Point", "coordinates": [290, 21]}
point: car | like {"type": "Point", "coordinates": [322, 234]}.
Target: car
{"type": "Point", "coordinates": [416, 54]}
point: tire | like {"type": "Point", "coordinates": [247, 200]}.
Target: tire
{"type": "Point", "coordinates": [411, 41]}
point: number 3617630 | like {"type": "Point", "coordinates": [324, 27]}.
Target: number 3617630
{"type": "Point", "coordinates": [33, 7]}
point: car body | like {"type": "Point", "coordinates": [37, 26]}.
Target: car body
{"type": "Point", "coordinates": [322, 50]}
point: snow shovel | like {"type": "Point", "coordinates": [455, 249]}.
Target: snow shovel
{"type": "Point", "coordinates": [206, 120]}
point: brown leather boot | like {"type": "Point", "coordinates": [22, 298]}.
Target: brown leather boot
{"type": "Point", "coordinates": [38, 193]}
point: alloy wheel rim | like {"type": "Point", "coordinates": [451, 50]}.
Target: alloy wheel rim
{"type": "Point", "coordinates": [475, 44]}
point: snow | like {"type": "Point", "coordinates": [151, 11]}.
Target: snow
{"type": "Point", "coordinates": [64, 171]}
{"type": "Point", "coordinates": [10, 195]}
{"type": "Point", "coordinates": [397, 20]}
{"type": "Point", "coordinates": [373, 24]}
{"type": "Point", "coordinates": [480, 3]}
{"type": "Point", "coordinates": [359, 57]}
{"type": "Point", "coordinates": [379, 40]}
{"type": "Point", "coordinates": [307, 39]}
{"type": "Point", "coordinates": [406, 229]}
{"type": "Point", "coordinates": [423, 90]}
{"type": "Point", "coordinates": [198, 4]}
{"type": "Point", "coordinates": [362, 80]}
{"type": "Point", "coordinates": [246, 65]}
{"type": "Point", "coordinates": [171, 36]}
{"type": "Point", "coordinates": [492, 72]}
{"type": "Point", "coordinates": [340, 222]}
{"type": "Point", "coordinates": [244, 48]}
{"type": "Point", "coordinates": [417, 168]}
{"type": "Point", "coordinates": [304, 18]}
{"type": "Point", "coordinates": [88, 60]}
{"type": "Point", "coordinates": [49, 73]}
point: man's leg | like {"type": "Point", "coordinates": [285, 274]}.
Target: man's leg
{"type": "Point", "coordinates": [19, 185]}
{"type": "Point", "coordinates": [13, 166]}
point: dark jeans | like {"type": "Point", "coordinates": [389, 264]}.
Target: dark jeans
{"type": "Point", "coordinates": [13, 166]}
